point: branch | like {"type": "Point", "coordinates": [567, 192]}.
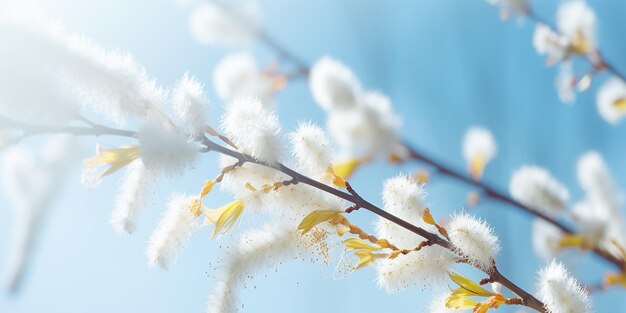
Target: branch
{"type": "Point", "coordinates": [600, 64]}
{"type": "Point", "coordinates": [358, 201]}
{"type": "Point", "coordinates": [488, 190]}
{"type": "Point", "coordinates": [493, 193]}
{"type": "Point", "coordinates": [353, 196]}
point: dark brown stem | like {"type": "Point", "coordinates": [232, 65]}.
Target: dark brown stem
{"type": "Point", "coordinates": [353, 197]}
{"type": "Point", "coordinates": [493, 193]}
{"type": "Point", "coordinates": [527, 299]}
{"type": "Point", "coordinates": [488, 190]}
{"type": "Point", "coordinates": [358, 201]}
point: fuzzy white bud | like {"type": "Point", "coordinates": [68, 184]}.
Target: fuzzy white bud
{"type": "Point", "coordinates": [174, 230]}
{"type": "Point", "coordinates": [131, 198]}
{"type": "Point", "coordinates": [474, 239]}
{"type": "Point", "coordinates": [611, 100]}
{"type": "Point", "coordinates": [535, 187]}
{"type": "Point", "coordinates": [560, 292]}
{"type": "Point", "coordinates": [253, 128]}
{"type": "Point", "coordinates": [403, 196]}
{"type": "Point", "coordinates": [574, 19]}
{"type": "Point", "coordinates": [311, 147]}
{"type": "Point", "coordinates": [333, 85]}
{"type": "Point", "coordinates": [167, 149]}
{"type": "Point", "coordinates": [190, 104]}
{"type": "Point", "coordinates": [224, 24]}
{"type": "Point", "coordinates": [238, 75]}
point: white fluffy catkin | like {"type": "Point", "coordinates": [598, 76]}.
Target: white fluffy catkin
{"type": "Point", "coordinates": [131, 198]}
{"type": "Point", "coordinates": [166, 149]}
{"type": "Point", "coordinates": [474, 239]}
{"type": "Point", "coordinates": [32, 186]}
{"type": "Point", "coordinates": [333, 85]}
{"type": "Point", "coordinates": [257, 250]}
{"type": "Point", "coordinates": [224, 24]}
{"type": "Point", "coordinates": [560, 292]}
{"type": "Point", "coordinates": [403, 196]}
{"type": "Point", "coordinates": [177, 225]}
{"type": "Point", "coordinates": [535, 187]}
{"type": "Point", "coordinates": [238, 75]}
{"type": "Point", "coordinates": [608, 100]}
{"type": "Point", "coordinates": [190, 104]}
{"type": "Point", "coordinates": [253, 128]}
{"type": "Point", "coordinates": [48, 66]}
{"type": "Point", "coordinates": [311, 147]}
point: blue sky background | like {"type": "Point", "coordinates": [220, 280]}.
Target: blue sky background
{"type": "Point", "coordinates": [447, 65]}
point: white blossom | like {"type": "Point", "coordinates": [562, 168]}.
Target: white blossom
{"type": "Point", "coordinates": [595, 178]}
{"type": "Point", "coordinates": [430, 265]}
{"type": "Point", "coordinates": [190, 104]}
{"type": "Point", "coordinates": [438, 305]}
{"type": "Point", "coordinates": [238, 75]}
{"type": "Point", "coordinates": [253, 128]}
{"type": "Point", "coordinates": [177, 225]}
{"type": "Point", "coordinates": [548, 42]}
{"type": "Point", "coordinates": [368, 129]}
{"type": "Point", "coordinates": [546, 238]}
{"type": "Point", "coordinates": [51, 69]}
{"type": "Point", "coordinates": [333, 85]}
{"type": "Point", "coordinates": [474, 239]}
{"type": "Point", "coordinates": [131, 198]}
{"type": "Point", "coordinates": [32, 185]}
{"type": "Point", "coordinates": [577, 21]}
{"type": "Point", "coordinates": [560, 292]}
{"type": "Point", "coordinates": [224, 24]}
{"type": "Point", "coordinates": [404, 196]}
{"type": "Point", "coordinates": [611, 100]}
{"type": "Point", "coordinates": [565, 82]}
{"type": "Point", "coordinates": [258, 250]}
{"type": "Point", "coordinates": [535, 187]}
{"type": "Point", "coordinates": [479, 148]}
{"type": "Point", "coordinates": [312, 149]}
{"type": "Point", "coordinates": [427, 267]}
{"type": "Point", "coordinates": [165, 148]}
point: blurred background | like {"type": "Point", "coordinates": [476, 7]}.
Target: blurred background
{"type": "Point", "coordinates": [447, 65]}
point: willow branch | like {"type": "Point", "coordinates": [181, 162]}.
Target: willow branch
{"type": "Point", "coordinates": [358, 201]}
{"type": "Point", "coordinates": [489, 191]}
{"type": "Point", "coordinates": [599, 65]}
{"type": "Point", "coordinates": [495, 194]}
